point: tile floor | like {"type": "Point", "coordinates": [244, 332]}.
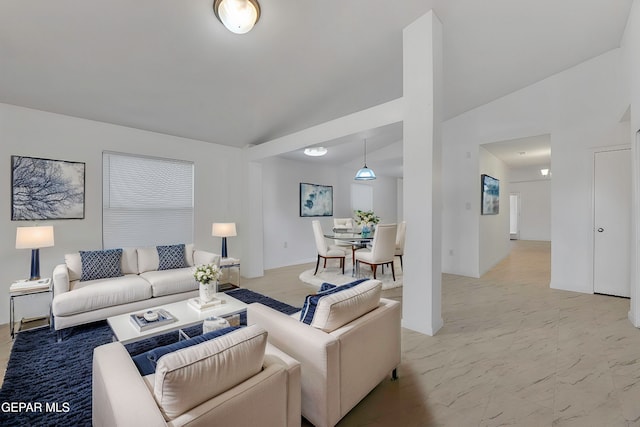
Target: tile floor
{"type": "Point", "coordinates": [512, 352]}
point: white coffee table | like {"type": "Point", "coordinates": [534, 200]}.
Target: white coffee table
{"type": "Point", "coordinates": [125, 332]}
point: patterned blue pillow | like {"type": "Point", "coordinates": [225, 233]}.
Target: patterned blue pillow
{"type": "Point", "coordinates": [326, 286]}
{"type": "Point", "coordinates": [100, 264]}
{"type": "Point", "coordinates": [311, 301]}
{"type": "Point", "coordinates": [171, 257]}
{"type": "Point", "coordinates": [146, 362]}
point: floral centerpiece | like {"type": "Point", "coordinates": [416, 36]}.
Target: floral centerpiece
{"type": "Point", "coordinates": [207, 276]}
{"type": "Point", "coordinates": [367, 219]}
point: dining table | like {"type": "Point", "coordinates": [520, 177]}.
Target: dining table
{"type": "Point", "coordinates": [353, 238]}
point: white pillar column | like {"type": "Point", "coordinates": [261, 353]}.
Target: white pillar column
{"type": "Point", "coordinates": [252, 261]}
{"type": "Point", "coordinates": [634, 302]}
{"type": "Point", "coordinates": [422, 289]}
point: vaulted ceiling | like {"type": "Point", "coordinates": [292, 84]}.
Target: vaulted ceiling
{"type": "Point", "coordinates": [169, 66]}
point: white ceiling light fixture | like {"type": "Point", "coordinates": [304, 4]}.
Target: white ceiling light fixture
{"type": "Point", "coordinates": [239, 16]}
{"type": "Point", "coordinates": [365, 174]}
{"type": "Point", "coordinates": [315, 151]}
{"type": "Point", "coordinates": [544, 172]}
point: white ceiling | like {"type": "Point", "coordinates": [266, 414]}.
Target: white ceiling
{"type": "Point", "coordinates": [169, 66]}
{"type": "Point", "coordinates": [523, 152]}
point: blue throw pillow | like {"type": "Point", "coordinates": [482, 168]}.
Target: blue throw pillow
{"type": "Point", "coordinates": [326, 286]}
{"type": "Point", "coordinates": [311, 301]}
{"type": "Point", "coordinates": [171, 257]}
{"type": "Point", "coordinates": [100, 264]}
{"type": "Point", "coordinates": [146, 362]}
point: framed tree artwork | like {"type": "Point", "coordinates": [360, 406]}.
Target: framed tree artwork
{"type": "Point", "coordinates": [45, 189]}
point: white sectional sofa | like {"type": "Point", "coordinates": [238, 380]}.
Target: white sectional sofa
{"type": "Point", "coordinates": [138, 284]}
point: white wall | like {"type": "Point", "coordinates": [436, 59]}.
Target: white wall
{"type": "Point", "coordinates": [631, 47]}
{"type": "Point", "coordinates": [535, 202]}
{"type": "Point", "coordinates": [281, 212]}
{"type": "Point", "coordinates": [494, 229]}
{"type": "Point", "coordinates": [35, 133]}
{"type": "Point", "coordinates": [580, 108]}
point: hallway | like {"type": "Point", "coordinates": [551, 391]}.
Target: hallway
{"type": "Point", "coordinates": [514, 352]}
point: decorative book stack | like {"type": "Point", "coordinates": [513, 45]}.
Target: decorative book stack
{"type": "Point", "coordinates": [150, 319]}
{"type": "Point", "coordinates": [30, 285]}
{"type": "Point", "coordinates": [201, 305]}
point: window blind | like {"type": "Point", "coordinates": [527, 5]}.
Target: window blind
{"type": "Point", "coordinates": [146, 201]}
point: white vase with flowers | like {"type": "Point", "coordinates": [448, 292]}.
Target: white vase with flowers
{"type": "Point", "coordinates": [207, 275]}
{"type": "Point", "coordinates": [367, 220]}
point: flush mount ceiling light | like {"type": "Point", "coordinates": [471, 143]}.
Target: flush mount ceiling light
{"type": "Point", "coordinates": [239, 16]}
{"type": "Point", "coordinates": [315, 151]}
{"type": "Point", "coordinates": [365, 174]}
{"type": "Point", "coordinates": [544, 172]}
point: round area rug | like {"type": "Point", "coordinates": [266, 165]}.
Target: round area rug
{"type": "Point", "coordinates": [333, 274]}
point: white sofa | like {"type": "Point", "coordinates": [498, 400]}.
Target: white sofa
{"type": "Point", "coordinates": [347, 327]}
{"type": "Point", "coordinates": [141, 286]}
{"type": "Point", "coordinates": [234, 380]}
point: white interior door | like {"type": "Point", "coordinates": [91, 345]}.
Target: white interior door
{"type": "Point", "coordinates": [612, 222]}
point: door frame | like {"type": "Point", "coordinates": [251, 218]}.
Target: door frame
{"type": "Point", "coordinates": [634, 304]}
{"type": "Point", "coordinates": [519, 208]}
{"type": "Point", "coordinates": [592, 230]}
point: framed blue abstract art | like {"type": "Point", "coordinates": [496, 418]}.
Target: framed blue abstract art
{"type": "Point", "coordinates": [490, 195]}
{"type": "Point", "coordinates": [316, 200]}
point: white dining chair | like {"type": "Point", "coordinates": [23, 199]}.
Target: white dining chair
{"type": "Point", "coordinates": [382, 250]}
{"type": "Point", "coordinates": [325, 251]}
{"type": "Point", "coordinates": [401, 235]}
{"type": "Point", "coordinates": [343, 223]}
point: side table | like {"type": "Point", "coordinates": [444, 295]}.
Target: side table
{"type": "Point", "coordinates": [28, 288]}
{"type": "Point", "coordinates": [231, 274]}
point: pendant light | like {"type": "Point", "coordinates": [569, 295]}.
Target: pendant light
{"type": "Point", "coordinates": [239, 16]}
{"type": "Point", "coordinates": [365, 174]}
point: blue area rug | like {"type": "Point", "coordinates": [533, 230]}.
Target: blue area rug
{"type": "Point", "coordinates": [53, 379]}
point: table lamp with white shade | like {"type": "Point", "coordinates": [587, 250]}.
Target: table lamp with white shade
{"type": "Point", "coordinates": [34, 238]}
{"type": "Point", "coordinates": [224, 230]}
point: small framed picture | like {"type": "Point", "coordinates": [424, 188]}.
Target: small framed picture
{"type": "Point", "coordinates": [490, 201]}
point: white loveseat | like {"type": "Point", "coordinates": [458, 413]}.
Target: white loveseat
{"type": "Point", "coordinates": [350, 346]}
{"type": "Point", "coordinates": [234, 380]}
{"type": "Point", "coordinates": [140, 286]}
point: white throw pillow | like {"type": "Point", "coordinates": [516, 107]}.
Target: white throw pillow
{"type": "Point", "coordinates": [148, 259]}
{"type": "Point", "coordinates": [188, 253]}
{"type": "Point", "coordinates": [338, 309]}
{"type": "Point", "coordinates": [186, 378]}
{"type": "Point", "coordinates": [129, 261]}
{"type": "Point", "coordinates": [74, 265]}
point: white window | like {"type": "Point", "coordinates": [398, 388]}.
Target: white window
{"type": "Point", "coordinates": [361, 197]}
{"type": "Point", "coordinates": [146, 201]}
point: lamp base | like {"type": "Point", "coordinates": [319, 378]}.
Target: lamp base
{"type": "Point", "coordinates": [224, 247]}
{"type": "Point", "coordinates": [35, 265]}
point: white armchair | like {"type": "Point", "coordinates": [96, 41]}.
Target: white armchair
{"type": "Point", "coordinates": [339, 367]}
{"type": "Point", "coordinates": [400, 238]}
{"type": "Point", "coordinates": [382, 249]}
{"type": "Point", "coordinates": [233, 380]}
{"type": "Point", "coordinates": [325, 251]}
